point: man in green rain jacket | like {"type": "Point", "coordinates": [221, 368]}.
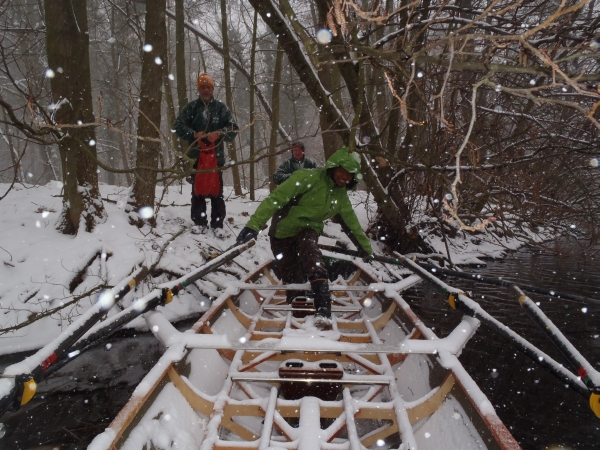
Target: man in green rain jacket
{"type": "Point", "coordinates": [299, 206]}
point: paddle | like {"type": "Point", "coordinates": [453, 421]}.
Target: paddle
{"type": "Point", "coordinates": [345, 251]}
{"type": "Point", "coordinates": [24, 384]}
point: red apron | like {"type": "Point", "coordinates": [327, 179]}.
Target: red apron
{"type": "Point", "coordinates": [207, 184]}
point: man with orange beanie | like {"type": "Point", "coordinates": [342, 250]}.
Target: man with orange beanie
{"type": "Point", "coordinates": [206, 123]}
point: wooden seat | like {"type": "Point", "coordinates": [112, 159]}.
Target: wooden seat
{"type": "Point", "coordinates": [302, 307]}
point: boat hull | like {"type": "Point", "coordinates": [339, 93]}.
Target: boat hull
{"type": "Point", "coordinates": [255, 374]}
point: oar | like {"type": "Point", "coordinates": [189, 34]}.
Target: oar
{"type": "Point", "coordinates": [164, 295]}
{"type": "Point", "coordinates": [468, 276]}
{"type": "Point", "coordinates": [508, 284]}
{"type": "Point", "coordinates": [24, 385]}
{"type": "Point", "coordinates": [458, 300]}
{"type": "Point", "coordinates": [589, 375]}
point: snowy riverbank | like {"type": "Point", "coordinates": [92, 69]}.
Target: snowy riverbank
{"type": "Point", "coordinates": [48, 279]}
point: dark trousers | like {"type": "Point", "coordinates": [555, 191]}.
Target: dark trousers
{"type": "Point", "coordinates": [299, 259]}
{"type": "Point", "coordinates": [217, 207]}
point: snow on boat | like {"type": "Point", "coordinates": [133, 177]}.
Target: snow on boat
{"type": "Point", "coordinates": [255, 373]}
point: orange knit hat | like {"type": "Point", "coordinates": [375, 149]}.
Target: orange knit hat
{"type": "Point", "coordinates": [204, 79]}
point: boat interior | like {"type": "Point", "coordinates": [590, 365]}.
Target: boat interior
{"type": "Point", "coordinates": [309, 396]}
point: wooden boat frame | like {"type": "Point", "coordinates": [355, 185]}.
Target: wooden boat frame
{"type": "Point", "coordinates": [393, 419]}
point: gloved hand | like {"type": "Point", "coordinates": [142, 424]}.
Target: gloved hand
{"type": "Point", "coordinates": [245, 235]}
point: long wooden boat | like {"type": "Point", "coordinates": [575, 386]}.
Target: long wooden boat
{"type": "Point", "coordinates": [254, 373]}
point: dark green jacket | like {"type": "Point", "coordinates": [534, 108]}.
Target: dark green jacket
{"type": "Point", "coordinates": [314, 198]}
{"type": "Point", "coordinates": [289, 166]}
{"type": "Point", "coordinates": [196, 116]}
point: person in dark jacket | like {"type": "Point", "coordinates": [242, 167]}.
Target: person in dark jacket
{"type": "Point", "coordinates": [299, 206]}
{"type": "Point", "coordinates": [297, 161]}
{"type": "Point", "coordinates": [206, 123]}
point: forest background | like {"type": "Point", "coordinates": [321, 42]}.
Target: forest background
{"type": "Point", "coordinates": [470, 117]}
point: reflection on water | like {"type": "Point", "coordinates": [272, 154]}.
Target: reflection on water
{"type": "Point", "coordinates": [536, 407]}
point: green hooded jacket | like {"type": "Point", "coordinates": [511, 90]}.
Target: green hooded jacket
{"type": "Point", "coordinates": [308, 198]}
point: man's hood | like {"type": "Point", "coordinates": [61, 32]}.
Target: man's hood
{"type": "Point", "coordinates": [350, 162]}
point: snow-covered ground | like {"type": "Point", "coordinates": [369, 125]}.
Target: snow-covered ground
{"type": "Point", "coordinates": [47, 279]}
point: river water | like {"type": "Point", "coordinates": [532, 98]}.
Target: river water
{"type": "Point", "coordinates": [81, 399]}
{"type": "Point", "coordinates": [540, 411]}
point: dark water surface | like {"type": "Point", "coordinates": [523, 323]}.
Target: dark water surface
{"type": "Point", "coordinates": [540, 411]}
{"type": "Point", "coordinates": [80, 400]}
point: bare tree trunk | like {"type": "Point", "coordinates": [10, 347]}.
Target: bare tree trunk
{"type": "Point", "coordinates": [148, 152]}
{"type": "Point", "coordinates": [172, 140]}
{"type": "Point", "coordinates": [170, 112]}
{"type": "Point", "coordinates": [393, 128]}
{"type": "Point", "coordinates": [14, 151]}
{"type": "Point", "coordinates": [117, 111]}
{"type": "Point", "coordinates": [379, 88]}
{"type": "Point", "coordinates": [180, 54]}
{"type": "Point", "coordinates": [275, 121]}
{"type": "Point", "coordinates": [251, 113]}
{"type": "Point", "coordinates": [330, 78]}
{"type": "Point", "coordinates": [182, 97]}
{"type": "Point", "coordinates": [229, 96]}
{"type": "Point", "coordinates": [204, 69]}
{"type": "Point", "coordinates": [293, 99]}
{"type": "Point", "coordinates": [67, 47]}
{"type": "Point", "coordinates": [117, 104]}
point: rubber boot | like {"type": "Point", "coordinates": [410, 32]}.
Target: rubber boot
{"type": "Point", "coordinates": [322, 297]}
